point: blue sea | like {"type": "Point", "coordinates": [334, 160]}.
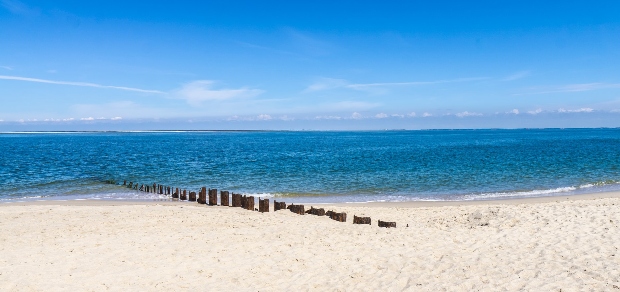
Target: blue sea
{"type": "Point", "coordinates": [314, 167]}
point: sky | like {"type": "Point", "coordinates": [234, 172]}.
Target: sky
{"type": "Point", "coordinates": [316, 65]}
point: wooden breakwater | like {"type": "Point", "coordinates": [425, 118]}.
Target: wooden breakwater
{"type": "Point", "coordinates": [210, 197]}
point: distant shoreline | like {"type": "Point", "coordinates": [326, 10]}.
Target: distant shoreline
{"type": "Point", "coordinates": [301, 130]}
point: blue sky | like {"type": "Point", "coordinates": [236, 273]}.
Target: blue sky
{"type": "Point", "coordinates": [110, 65]}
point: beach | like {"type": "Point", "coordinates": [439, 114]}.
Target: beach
{"type": "Point", "coordinates": [538, 244]}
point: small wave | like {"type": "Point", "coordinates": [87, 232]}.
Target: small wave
{"type": "Point", "coordinates": [261, 195]}
{"type": "Point", "coordinates": [533, 193]}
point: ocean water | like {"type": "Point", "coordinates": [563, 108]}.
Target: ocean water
{"type": "Point", "coordinates": [314, 166]}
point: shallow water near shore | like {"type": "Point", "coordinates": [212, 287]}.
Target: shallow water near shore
{"type": "Point", "coordinates": [326, 167]}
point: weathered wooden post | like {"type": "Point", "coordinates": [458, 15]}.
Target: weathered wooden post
{"type": "Point", "coordinates": [124, 182]}
{"type": "Point", "coordinates": [278, 205]}
{"type": "Point", "coordinates": [317, 212]}
{"type": "Point", "coordinates": [131, 185]}
{"type": "Point", "coordinates": [297, 209]}
{"type": "Point", "coordinates": [224, 198]}
{"type": "Point", "coordinates": [184, 195]}
{"type": "Point", "coordinates": [361, 220]}
{"type": "Point", "coordinates": [387, 224]}
{"type": "Point", "coordinates": [340, 217]}
{"type": "Point", "coordinates": [192, 196]}
{"type": "Point", "coordinates": [175, 195]}
{"type": "Point", "coordinates": [263, 205]}
{"type": "Point", "coordinates": [212, 197]}
{"type": "Point", "coordinates": [244, 202]}
{"type": "Point", "coordinates": [250, 203]}
{"type": "Point", "coordinates": [236, 200]}
{"type": "Point", "coordinates": [202, 195]}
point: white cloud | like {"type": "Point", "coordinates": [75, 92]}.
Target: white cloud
{"type": "Point", "coordinates": [397, 116]}
{"type": "Point", "coordinates": [517, 75]}
{"type": "Point", "coordinates": [6, 67]}
{"type": "Point", "coordinates": [87, 119]}
{"type": "Point", "coordinates": [535, 112]}
{"type": "Point", "coordinates": [83, 84]}
{"type": "Point", "coordinates": [411, 114]}
{"type": "Point", "coordinates": [467, 114]}
{"type": "Point", "coordinates": [581, 110]}
{"type": "Point", "coordinates": [381, 116]}
{"type": "Point", "coordinates": [424, 115]}
{"type": "Point", "coordinates": [197, 92]}
{"type": "Point", "coordinates": [327, 118]}
{"type": "Point", "coordinates": [263, 117]}
{"type": "Point", "coordinates": [356, 116]}
{"type": "Point", "coordinates": [514, 111]}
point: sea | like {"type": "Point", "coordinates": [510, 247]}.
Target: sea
{"type": "Point", "coordinates": [312, 166]}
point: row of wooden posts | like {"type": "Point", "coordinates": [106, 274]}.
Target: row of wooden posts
{"type": "Point", "coordinates": [209, 197]}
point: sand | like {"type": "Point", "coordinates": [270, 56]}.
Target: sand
{"type": "Point", "coordinates": [549, 245]}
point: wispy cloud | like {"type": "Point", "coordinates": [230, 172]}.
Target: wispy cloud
{"type": "Point", "coordinates": [581, 87]}
{"type": "Point", "coordinates": [268, 49]}
{"type": "Point", "coordinates": [307, 44]}
{"type": "Point", "coordinates": [326, 84]}
{"type": "Point", "coordinates": [332, 83]}
{"type": "Point", "coordinates": [359, 86]}
{"type": "Point", "coordinates": [83, 84]}
{"type": "Point", "coordinates": [17, 7]}
{"type": "Point", "coordinates": [517, 75]}
{"type": "Point", "coordinates": [197, 92]}
{"type": "Point", "coordinates": [6, 67]}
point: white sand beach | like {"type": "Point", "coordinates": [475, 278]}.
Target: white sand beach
{"type": "Point", "coordinates": [548, 244]}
